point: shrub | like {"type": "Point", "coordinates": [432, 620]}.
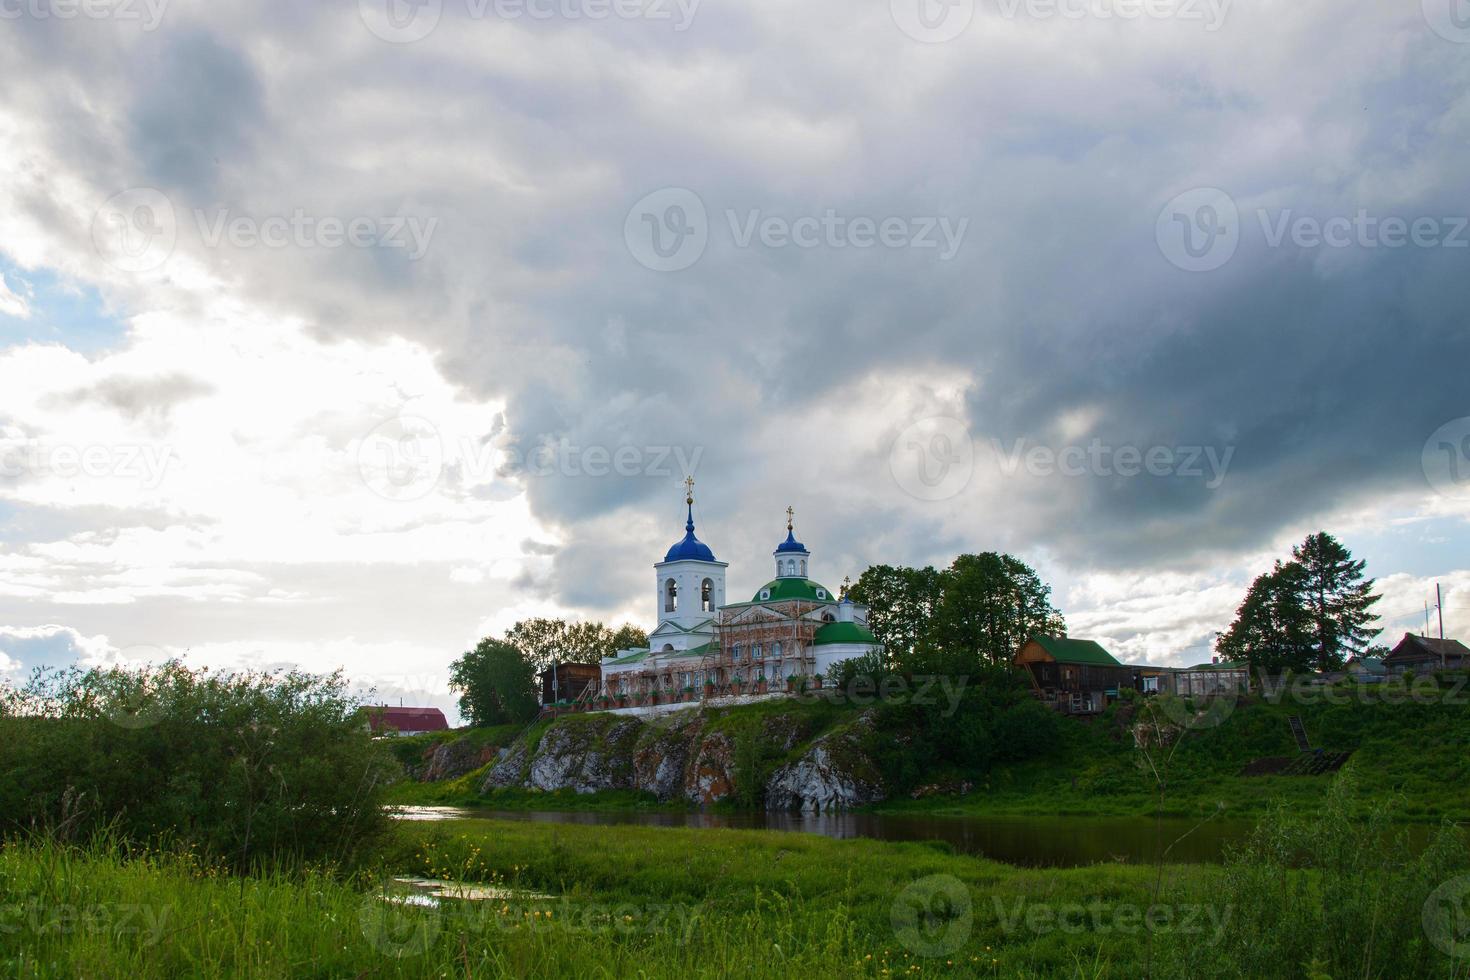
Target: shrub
{"type": "Point", "coordinates": [244, 766]}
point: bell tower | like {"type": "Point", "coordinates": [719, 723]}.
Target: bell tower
{"type": "Point", "coordinates": [689, 584]}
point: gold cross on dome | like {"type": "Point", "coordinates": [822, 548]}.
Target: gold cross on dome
{"type": "Point", "coordinates": [689, 488]}
{"type": "Point", "coordinates": [790, 515]}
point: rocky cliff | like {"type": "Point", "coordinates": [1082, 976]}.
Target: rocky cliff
{"type": "Point", "coordinates": [703, 757]}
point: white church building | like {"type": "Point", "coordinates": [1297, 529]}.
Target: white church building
{"type": "Point", "coordinates": [785, 638]}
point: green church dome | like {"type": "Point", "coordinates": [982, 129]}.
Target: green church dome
{"type": "Point", "coordinates": [844, 633]}
{"type": "Point", "coordinates": [784, 589]}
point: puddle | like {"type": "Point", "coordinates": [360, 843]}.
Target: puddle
{"type": "Point", "coordinates": [430, 812]}
{"type": "Point", "coordinates": [430, 892]}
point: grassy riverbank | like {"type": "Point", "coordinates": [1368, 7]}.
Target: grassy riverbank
{"type": "Point", "coordinates": [1411, 751]}
{"type": "Point", "coordinates": [657, 903]}
{"type": "Point", "coordinates": [584, 901]}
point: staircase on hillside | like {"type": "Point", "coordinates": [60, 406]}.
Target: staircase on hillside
{"type": "Point", "coordinates": [1316, 763]}
{"type": "Point", "coordinates": [1299, 732]}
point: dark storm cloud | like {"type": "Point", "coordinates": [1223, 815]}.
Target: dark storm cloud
{"type": "Point", "coordinates": [194, 112]}
{"type": "Point", "coordinates": [1323, 370]}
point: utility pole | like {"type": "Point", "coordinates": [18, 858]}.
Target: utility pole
{"type": "Point", "coordinates": [1439, 605]}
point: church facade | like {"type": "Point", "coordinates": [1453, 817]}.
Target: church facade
{"type": "Point", "coordinates": [785, 638]}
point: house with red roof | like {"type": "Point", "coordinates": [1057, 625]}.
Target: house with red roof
{"type": "Point", "coordinates": [383, 720]}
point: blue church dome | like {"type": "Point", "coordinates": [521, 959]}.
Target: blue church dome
{"type": "Point", "coordinates": [791, 544]}
{"type": "Point", "coordinates": [691, 548]}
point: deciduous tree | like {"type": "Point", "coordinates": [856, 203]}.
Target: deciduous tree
{"type": "Point", "coordinates": [496, 684]}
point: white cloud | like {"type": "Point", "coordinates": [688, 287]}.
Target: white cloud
{"type": "Point", "coordinates": [24, 648]}
{"type": "Point", "coordinates": [10, 303]}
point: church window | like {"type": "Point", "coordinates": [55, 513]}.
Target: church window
{"type": "Point", "coordinates": [735, 653]}
{"type": "Point", "coordinates": [828, 618]}
{"type": "Point", "coordinates": [707, 596]}
{"type": "Point", "coordinates": [765, 593]}
{"type": "Point", "coordinates": [776, 650]}
{"type": "Point", "coordinates": [755, 651]}
{"type": "Point", "coordinates": [821, 593]}
{"type": "Point", "coordinates": [671, 596]}
{"type": "Point", "coordinates": [803, 566]}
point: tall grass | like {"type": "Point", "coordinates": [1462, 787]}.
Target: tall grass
{"type": "Point", "coordinates": [1338, 893]}
{"type": "Point", "coordinates": [579, 902]}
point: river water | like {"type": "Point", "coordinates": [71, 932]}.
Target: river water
{"type": "Point", "coordinates": [1054, 842]}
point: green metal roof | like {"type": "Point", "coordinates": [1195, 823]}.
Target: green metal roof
{"type": "Point", "coordinates": [1223, 665]}
{"type": "Point", "coordinates": [1069, 651]}
{"type": "Point", "coordinates": [843, 633]}
{"type": "Point", "coordinates": [682, 629]}
{"type": "Point", "coordinates": [639, 656]}
{"type": "Point", "coordinates": [786, 589]}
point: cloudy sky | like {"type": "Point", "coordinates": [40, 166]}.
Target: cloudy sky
{"type": "Point", "coordinates": [342, 334]}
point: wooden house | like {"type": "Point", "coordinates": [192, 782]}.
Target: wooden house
{"type": "Point", "coordinates": [1148, 679]}
{"type": "Point", "coordinates": [567, 682]}
{"type": "Point", "coordinates": [1424, 654]}
{"type": "Point", "coordinates": [1076, 677]}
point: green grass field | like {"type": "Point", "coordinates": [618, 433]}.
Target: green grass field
{"type": "Point", "coordinates": [640, 902]}
{"type": "Point", "coordinates": [590, 901]}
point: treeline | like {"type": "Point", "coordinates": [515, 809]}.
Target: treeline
{"type": "Point", "coordinates": [956, 620]}
{"type": "Point", "coordinates": [496, 680]}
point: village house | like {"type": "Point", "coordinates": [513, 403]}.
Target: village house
{"type": "Point", "coordinates": [563, 683]}
{"type": "Point", "coordinates": [383, 720]}
{"type": "Point", "coordinates": [1365, 669]}
{"type": "Point", "coordinates": [1422, 654]}
{"type": "Point", "coordinates": [1075, 677]}
{"type": "Point", "coordinates": [1148, 679]}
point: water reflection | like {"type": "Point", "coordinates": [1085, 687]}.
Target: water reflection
{"type": "Point", "coordinates": [1026, 841]}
